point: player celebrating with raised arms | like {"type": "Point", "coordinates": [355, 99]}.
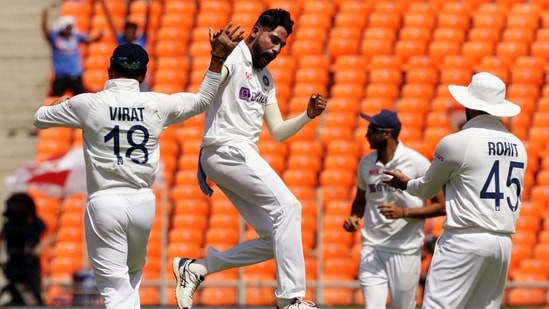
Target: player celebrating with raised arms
{"type": "Point", "coordinates": [482, 169]}
{"type": "Point", "coordinates": [121, 127]}
{"type": "Point", "coordinates": [230, 158]}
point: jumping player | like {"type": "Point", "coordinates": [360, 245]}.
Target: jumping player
{"type": "Point", "coordinates": [392, 233]}
{"type": "Point", "coordinates": [230, 158]}
{"type": "Point", "coordinates": [482, 169]}
{"type": "Point", "coordinates": [121, 127]}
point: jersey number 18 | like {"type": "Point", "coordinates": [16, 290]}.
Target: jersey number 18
{"type": "Point", "coordinates": [114, 134]}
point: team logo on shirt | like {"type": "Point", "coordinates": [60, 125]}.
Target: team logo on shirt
{"type": "Point", "coordinates": [249, 96]}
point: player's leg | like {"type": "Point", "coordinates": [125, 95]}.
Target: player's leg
{"type": "Point", "coordinates": [59, 85]}
{"type": "Point", "coordinates": [141, 215]}
{"type": "Point", "coordinates": [491, 284]}
{"type": "Point", "coordinates": [106, 221]}
{"type": "Point", "coordinates": [454, 271]}
{"type": "Point", "coordinates": [373, 279]}
{"type": "Point", "coordinates": [77, 85]}
{"type": "Point", "coordinates": [269, 205]}
{"type": "Point", "coordinates": [403, 271]}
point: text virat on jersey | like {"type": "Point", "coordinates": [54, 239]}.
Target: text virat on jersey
{"type": "Point", "coordinates": [126, 113]}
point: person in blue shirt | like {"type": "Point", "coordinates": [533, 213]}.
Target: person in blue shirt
{"type": "Point", "coordinates": [65, 40]}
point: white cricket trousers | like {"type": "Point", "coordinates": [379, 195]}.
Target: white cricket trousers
{"type": "Point", "coordinates": [468, 270]}
{"type": "Point", "coordinates": [266, 203]}
{"type": "Point", "coordinates": [117, 225]}
{"type": "Point", "coordinates": [383, 271]}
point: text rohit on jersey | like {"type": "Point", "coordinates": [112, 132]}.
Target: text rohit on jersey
{"type": "Point", "coordinates": [503, 149]}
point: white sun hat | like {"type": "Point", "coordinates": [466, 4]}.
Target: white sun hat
{"type": "Point", "coordinates": [486, 92]}
{"type": "Point", "coordinates": [63, 22]}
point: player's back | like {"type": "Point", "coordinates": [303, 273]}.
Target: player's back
{"type": "Point", "coordinates": [121, 136]}
{"type": "Point", "coordinates": [485, 191]}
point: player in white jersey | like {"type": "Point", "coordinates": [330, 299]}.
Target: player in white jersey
{"type": "Point", "coordinates": [230, 157]}
{"type": "Point", "coordinates": [482, 169]}
{"type": "Point", "coordinates": [392, 233]}
{"type": "Point", "coordinates": [121, 127]}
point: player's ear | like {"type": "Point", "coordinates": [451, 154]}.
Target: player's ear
{"type": "Point", "coordinates": [140, 78]}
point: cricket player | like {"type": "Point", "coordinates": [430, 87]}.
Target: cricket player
{"type": "Point", "coordinates": [230, 157]}
{"type": "Point", "coordinates": [121, 127]}
{"type": "Point", "coordinates": [392, 233]}
{"type": "Point", "coordinates": [482, 169]}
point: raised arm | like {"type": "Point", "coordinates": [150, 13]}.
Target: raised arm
{"type": "Point", "coordinates": [147, 17]}
{"type": "Point", "coordinates": [44, 23]}
{"type": "Point", "coordinates": [282, 129]}
{"type": "Point", "coordinates": [109, 17]}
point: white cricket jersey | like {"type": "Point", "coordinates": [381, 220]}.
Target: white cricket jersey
{"type": "Point", "coordinates": [403, 235]}
{"type": "Point", "coordinates": [483, 169]}
{"type": "Point", "coordinates": [121, 127]}
{"type": "Point", "coordinates": [236, 114]}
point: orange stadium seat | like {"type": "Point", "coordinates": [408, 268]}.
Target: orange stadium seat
{"type": "Point", "coordinates": [439, 50]}
{"type": "Point", "coordinates": [446, 19]}
{"type": "Point", "coordinates": [330, 177]}
{"type": "Point", "coordinates": [408, 48]}
{"type": "Point", "coordinates": [373, 47]}
{"type": "Point", "coordinates": [421, 75]}
{"type": "Point", "coordinates": [379, 33]}
{"type": "Point", "coordinates": [414, 33]}
{"type": "Point", "coordinates": [419, 19]}
{"type": "Point", "coordinates": [218, 296]}
{"type": "Point", "coordinates": [384, 19]}
{"type": "Point", "coordinates": [350, 19]}
{"type": "Point", "coordinates": [372, 106]}
{"type": "Point", "coordinates": [388, 7]}
{"type": "Point", "coordinates": [340, 161]}
{"type": "Point", "coordinates": [525, 297]}
{"type": "Point", "coordinates": [344, 104]}
{"type": "Point", "coordinates": [449, 34]}
{"type": "Point", "coordinates": [312, 62]}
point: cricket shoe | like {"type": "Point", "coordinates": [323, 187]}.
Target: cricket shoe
{"type": "Point", "coordinates": [298, 303]}
{"type": "Point", "coordinates": [187, 282]}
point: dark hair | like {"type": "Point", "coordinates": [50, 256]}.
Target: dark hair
{"type": "Point", "coordinates": [130, 24]}
{"type": "Point", "coordinates": [19, 207]}
{"type": "Point", "coordinates": [273, 18]}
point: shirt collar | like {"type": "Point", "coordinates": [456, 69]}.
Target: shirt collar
{"type": "Point", "coordinates": [127, 83]}
{"type": "Point", "coordinates": [482, 121]}
{"type": "Point", "coordinates": [245, 51]}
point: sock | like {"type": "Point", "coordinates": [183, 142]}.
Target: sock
{"type": "Point", "coordinates": [283, 302]}
{"type": "Point", "coordinates": [199, 267]}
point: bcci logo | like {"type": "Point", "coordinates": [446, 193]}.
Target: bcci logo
{"type": "Point", "coordinates": [244, 94]}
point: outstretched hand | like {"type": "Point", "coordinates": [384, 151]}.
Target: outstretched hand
{"type": "Point", "coordinates": [225, 40]}
{"type": "Point", "coordinates": [60, 100]}
{"type": "Point", "coordinates": [398, 179]}
{"type": "Point", "coordinates": [317, 105]}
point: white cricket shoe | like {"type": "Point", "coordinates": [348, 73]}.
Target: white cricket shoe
{"type": "Point", "coordinates": [298, 303]}
{"type": "Point", "coordinates": [187, 282]}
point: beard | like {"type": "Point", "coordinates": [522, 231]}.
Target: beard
{"type": "Point", "coordinates": [260, 59]}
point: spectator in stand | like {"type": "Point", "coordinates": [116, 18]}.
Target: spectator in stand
{"type": "Point", "coordinates": [25, 237]}
{"type": "Point", "coordinates": [64, 41]}
{"type": "Point", "coordinates": [130, 33]}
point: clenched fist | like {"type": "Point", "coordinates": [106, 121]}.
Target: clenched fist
{"type": "Point", "coordinates": [317, 104]}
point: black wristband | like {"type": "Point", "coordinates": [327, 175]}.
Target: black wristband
{"type": "Point", "coordinates": [217, 57]}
